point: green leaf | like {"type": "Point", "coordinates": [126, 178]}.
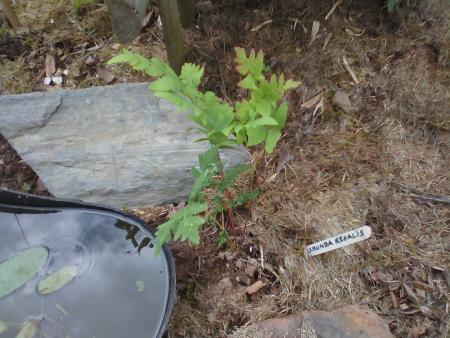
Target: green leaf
{"type": "Point", "coordinates": [57, 280]}
{"type": "Point", "coordinates": [240, 54]}
{"type": "Point", "coordinates": [189, 229]}
{"type": "Point", "coordinates": [191, 75]}
{"type": "Point", "coordinates": [245, 197]}
{"type": "Point", "coordinates": [159, 68]}
{"type": "Point", "coordinates": [195, 208]}
{"type": "Point", "coordinates": [176, 99]}
{"type": "Point", "coordinates": [140, 286]}
{"type": "Point", "coordinates": [223, 238]}
{"type": "Point", "coordinates": [240, 134]}
{"type": "Point", "coordinates": [164, 233]}
{"type": "Point", "coordinates": [263, 121]}
{"type": "Point", "coordinates": [256, 135]}
{"type": "Point", "coordinates": [242, 111]}
{"type": "Point", "coordinates": [263, 107]}
{"type": "Point", "coordinates": [231, 176]}
{"type": "Point", "coordinates": [19, 269]}
{"type": "Point", "coordinates": [281, 114]}
{"type": "Point", "coordinates": [209, 160]}
{"type": "Point", "coordinates": [28, 329]}
{"type": "Point", "coordinates": [202, 180]}
{"type": "Point", "coordinates": [3, 327]}
{"type": "Point", "coordinates": [165, 84]}
{"type": "Point", "coordinates": [273, 135]}
{"type": "Point", "coordinates": [219, 139]}
{"type": "Point", "coordinates": [247, 83]}
{"type": "Point", "coordinates": [137, 61]}
{"type": "Point", "coordinates": [290, 84]}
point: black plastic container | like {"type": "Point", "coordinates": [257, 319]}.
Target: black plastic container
{"type": "Point", "coordinates": [122, 289]}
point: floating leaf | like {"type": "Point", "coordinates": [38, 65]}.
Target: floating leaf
{"type": "Point", "coordinates": [140, 285]}
{"type": "Point", "coordinates": [19, 269]}
{"type": "Point", "coordinates": [28, 329]}
{"type": "Point", "coordinates": [57, 280]}
{"type": "Point", "coordinates": [3, 327]}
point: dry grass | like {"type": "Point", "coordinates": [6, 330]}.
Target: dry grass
{"type": "Point", "coordinates": [14, 77]}
{"type": "Point", "coordinates": [55, 27]}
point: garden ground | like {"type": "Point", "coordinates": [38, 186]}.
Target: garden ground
{"type": "Point", "coordinates": [370, 155]}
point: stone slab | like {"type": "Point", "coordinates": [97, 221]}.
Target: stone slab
{"type": "Point", "coordinates": [116, 145]}
{"type": "Point", "coordinates": [352, 321]}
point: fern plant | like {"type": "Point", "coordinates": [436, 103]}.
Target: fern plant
{"type": "Point", "coordinates": [257, 119]}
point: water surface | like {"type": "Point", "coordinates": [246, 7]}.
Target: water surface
{"type": "Point", "coordinates": [121, 290]}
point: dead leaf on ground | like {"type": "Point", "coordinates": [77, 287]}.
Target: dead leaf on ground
{"type": "Point", "coordinates": [255, 287]}
{"type": "Point", "coordinates": [411, 294]}
{"type": "Point", "coordinates": [342, 100]}
{"type": "Point", "coordinates": [258, 27]}
{"type": "Point", "coordinates": [285, 157]}
{"type": "Point", "coordinates": [90, 60]}
{"type": "Point", "coordinates": [327, 39]}
{"type": "Point", "coordinates": [105, 75]}
{"type": "Point", "coordinates": [417, 331]}
{"type": "Point", "coordinates": [314, 30]}
{"type": "Point", "coordinates": [312, 102]}
{"type": "Point", "coordinates": [50, 65]}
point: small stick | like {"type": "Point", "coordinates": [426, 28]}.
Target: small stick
{"type": "Point", "coordinates": [347, 66]}
{"type": "Point", "coordinates": [332, 10]}
{"type": "Point", "coordinates": [429, 197]}
{"type": "Point", "coordinates": [262, 256]}
{"type": "Point", "coordinates": [10, 13]}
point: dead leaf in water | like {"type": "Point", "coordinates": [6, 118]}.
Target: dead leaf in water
{"type": "Point", "coordinates": [19, 269]}
{"type": "Point", "coordinates": [28, 329]}
{"type": "Point", "coordinates": [140, 285]}
{"type": "Point", "coordinates": [57, 280]}
{"type": "Point", "coordinates": [3, 327]}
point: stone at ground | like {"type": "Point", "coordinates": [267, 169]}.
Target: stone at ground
{"type": "Point", "coordinates": [352, 321]}
{"type": "Point", "coordinates": [127, 17]}
{"type": "Point", "coordinates": [116, 145]}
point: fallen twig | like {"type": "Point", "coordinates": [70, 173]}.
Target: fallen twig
{"type": "Point", "coordinates": [425, 196]}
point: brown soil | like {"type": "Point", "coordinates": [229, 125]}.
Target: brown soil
{"type": "Point", "coordinates": [364, 166]}
{"type": "Point", "coordinates": [15, 174]}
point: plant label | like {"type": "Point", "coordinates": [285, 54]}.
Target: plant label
{"type": "Point", "coordinates": [338, 241]}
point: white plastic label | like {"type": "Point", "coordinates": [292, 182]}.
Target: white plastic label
{"type": "Point", "coordinates": [338, 241]}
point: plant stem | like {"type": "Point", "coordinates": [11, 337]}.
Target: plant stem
{"type": "Point", "coordinates": [230, 214]}
{"type": "Point", "coordinates": [173, 36]}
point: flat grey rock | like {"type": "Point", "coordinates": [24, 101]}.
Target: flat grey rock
{"type": "Point", "coordinates": [115, 145]}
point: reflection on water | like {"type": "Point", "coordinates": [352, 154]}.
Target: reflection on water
{"type": "Point", "coordinates": [113, 256]}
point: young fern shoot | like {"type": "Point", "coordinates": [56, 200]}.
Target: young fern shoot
{"type": "Point", "coordinates": [258, 119]}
